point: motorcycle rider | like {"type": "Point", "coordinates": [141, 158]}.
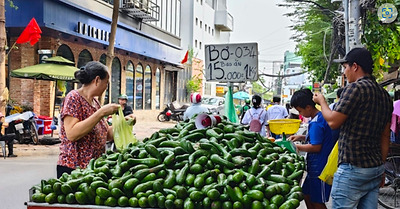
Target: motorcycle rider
{"type": "Point", "coordinates": [126, 110]}
{"type": "Point", "coordinates": [245, 108]}
{"type": "Point", "coordinates": [123, 100]}
{"type": "Point", "coordinates": [195, 108]}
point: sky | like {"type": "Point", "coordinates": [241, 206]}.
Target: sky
{"type": "Point", "coordinates": [262, 21]}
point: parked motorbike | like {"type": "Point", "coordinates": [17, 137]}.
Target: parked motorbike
{"type": "Point", "coordinates": [172, 113]}
{"type": "Point", "coordinates": [24, 127]}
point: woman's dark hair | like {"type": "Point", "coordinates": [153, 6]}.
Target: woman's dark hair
{"type": "Point", "coordinates": [89, 72]}
{"type": "Point", "coordinates": [276, 99]}
{"type": "Point", "coordinates": [339, 92]}
{"type": "Point", "coordinates": [256, 100]}
{"type": "Point", "coordinates": [302, 98]}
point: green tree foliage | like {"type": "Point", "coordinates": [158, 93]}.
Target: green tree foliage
{"type": "Point", "coordinates": [313, 29]}
{"type": "Point", "coordinates": [312, 24]}
{"type": "Point", "coordinates": [381, 39]}
{"type": "Point", "coordinates": [260, 89]}
{"type": "Point", "coordinates": [194, 84]}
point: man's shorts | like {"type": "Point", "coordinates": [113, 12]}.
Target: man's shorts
{"type": "Point", "coordinates": [318, 190]}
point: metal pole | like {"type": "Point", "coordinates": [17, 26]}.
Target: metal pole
{"type": "Point", "coordinates": [354, 17]}
{"type": "Point", "coordinates": [346, 24]}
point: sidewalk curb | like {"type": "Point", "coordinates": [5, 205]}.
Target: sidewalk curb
{"type": "Point", "coordinates": [30, 149]}
{"type": "Point", "coordinates": [142, 130]}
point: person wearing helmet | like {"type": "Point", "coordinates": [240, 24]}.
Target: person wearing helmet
{"type": "Point", "coordinates": [244, 108]}
{"type": "Point", "coordinates": [123, 100]}
{"type": "Point", "coordinates": [195, 108]}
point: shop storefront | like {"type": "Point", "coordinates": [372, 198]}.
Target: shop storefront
{"type": "Point", "coordinates": [140, 68]}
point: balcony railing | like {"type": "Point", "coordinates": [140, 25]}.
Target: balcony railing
{"type": "Point", "coordinates": [223, 20]}
{"type": "Point", "coordinates": [142, 9]}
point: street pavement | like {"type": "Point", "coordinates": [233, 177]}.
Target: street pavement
{"type": "Point", "coordinates": [18, 175]}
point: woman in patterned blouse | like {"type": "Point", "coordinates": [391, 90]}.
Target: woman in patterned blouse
{"type": "Point", "coordinates": [84, 131]}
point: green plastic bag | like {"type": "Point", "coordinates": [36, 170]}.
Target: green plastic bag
{"type": "Point", "coordinates": [122, 131]}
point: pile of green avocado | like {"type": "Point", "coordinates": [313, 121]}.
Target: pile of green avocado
{"type": "Point", "coordinates": [221, 167]}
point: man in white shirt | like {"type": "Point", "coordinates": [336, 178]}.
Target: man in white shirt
{"type": "Point", "coordinates": [277, 111]}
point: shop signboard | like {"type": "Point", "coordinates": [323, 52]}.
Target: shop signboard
{"type": "Point", "coordinates": [231, 62]}
{"type": "Point", "coordinates": [220, 89]}
{"type": "Point", "coordinates": [44, 54]}
{"type": "Point", "coordinates": [316, 87]}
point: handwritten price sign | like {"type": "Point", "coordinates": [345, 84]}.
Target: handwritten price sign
{"type": "Point", "coordinates": [231, 62]}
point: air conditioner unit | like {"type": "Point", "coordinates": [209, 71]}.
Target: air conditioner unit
{"type": "Point", "coordinates": [130, 3]}
{"type": "Point", "coordinates": [339, 80]}
{"type": "Point", "coordinates": [127, 3]}
{"type": "Point", "coordinates": [145, 5]}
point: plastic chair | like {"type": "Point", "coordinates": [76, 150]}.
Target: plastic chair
{"type": "Point", "coordinates": [39, 126]}
{"type": "Point", "coordinates": [53, 125]}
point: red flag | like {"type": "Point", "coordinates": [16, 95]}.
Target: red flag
{"type": "Point", "coordinates": [185, 59]}
{"type": "Point", "coordinates": [30, 34]}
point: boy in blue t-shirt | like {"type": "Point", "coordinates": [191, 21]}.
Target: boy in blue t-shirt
{"type": "Point", "coordinates": [318, 146]}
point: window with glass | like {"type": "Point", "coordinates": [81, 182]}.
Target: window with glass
{"type": "Point", "coordinates": [66, 52]}
{"type": "Point", "coordinates": [158, 80]}
{"type": "Point", "coordinates": [115, 80]}
{"type": "Point", "coordinates": [183, 76]}
{"type": "Point", "coordinates": [129, 77]}
{"type": "Point", "coordinates": [84, 57]}
{"type": "Point", "coordinates": [103, 58]}
{"type": "Point", "coordinates": [147, 89]}
{"type": "Point", "coordinates": [139, 87]}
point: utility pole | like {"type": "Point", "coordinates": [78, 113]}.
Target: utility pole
{"type": "Point", "coordinates": [353, 24]}
{"type": "Point", "coordinates": [110, 49]}
{"type": "Point", "coordinates": [346, 24]}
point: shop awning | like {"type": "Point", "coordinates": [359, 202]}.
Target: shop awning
{"type": "Point", "coordinates": [55, 68]}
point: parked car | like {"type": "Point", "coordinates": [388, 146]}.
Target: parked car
{"type": "Point", "coordinates": [215, 105]}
